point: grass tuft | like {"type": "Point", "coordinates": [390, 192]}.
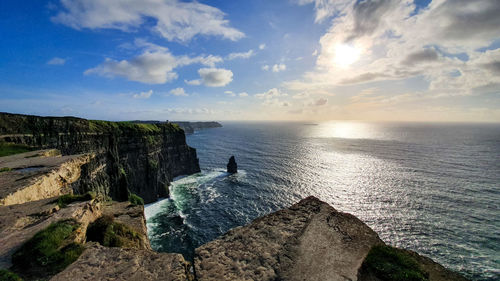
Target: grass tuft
{"type": "Point", "coordinates": [6, 275]}
{"type": "Point", "coordinates": [5, 169]}
{"type": "Point", "coordinates": [49, 251]}
{"type": "Point", "coordinates": [112, 234]}
{"type": "Point", "coordinates": [392, 264]}
{"type": "Point", "coordinates": [7, 148]}
{"type": "Point", "coordinates": [135, 199]}
{"type": "Point", "coordinates": [66, 199]}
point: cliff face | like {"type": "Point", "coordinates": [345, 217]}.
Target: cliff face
{"type": "Point", "coordinates": [191, 127]}
{"type": "Point", "coordinates": [138, 158]}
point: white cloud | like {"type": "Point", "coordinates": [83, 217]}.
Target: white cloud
{"type": "Point", "coordinates": [191, 111]}
{"type": "Point", "coordinates": [56, 61]}
{"type": "Point", "coordinates": [143, 95]}
{"type": "Point", "coordinates": [215, 77]}
{"type": "Point", "coordinates": [262, 46]}
{"type": "Point", "coordinates": [319, 102]}
{"type": "Point", "coordinates": [275, 102]}
{"type": "Point", "coordinates": [243, 94]}
{"type": "Point", "coordinates": [173, 19]}
{"type": "Point", "coordinates": [195, 82]}
{"type": "Point", "coordinates": [265, 67]}
{"type": "Point", "coordinates": [230, 93]}
{"type": "Point", "coordinates": [178, 92]}
{"type": "Point", "coordinates": [154, 66]}
{"type": "Point", "coordinates": [244, 55]}
{"type": "Point", "coordinates": [390, 40]}
{"type": "Point", "coordinates": [272, 93]}
{"type": "Point", "coordinates": [279, 67]}
{"type": "Point", "coordinates": [302, 95]}
{"type": "Point", "coordinates": [326, 8]}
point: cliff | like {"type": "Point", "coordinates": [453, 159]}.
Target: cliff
{"type": "Point", "coordinates": [129, 158]}
{"type": "Point", "coordinates": [191, 127]}
{"type": "Point", "coordinates": [311, 241]}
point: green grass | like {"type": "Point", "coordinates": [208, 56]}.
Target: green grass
{"type": "Point", "coordinates": [6, 275]}
{"type": "Point", "coordinates": [392, 264]}
{"type": "Point", "coordinates": [112, 234]}
{"type": "Point", "coordinates": [66, 199]}
{"type": "Point", "coordinates": [49, 251]}
{"type": "Point", "coordinates": [108, 126]}
{"type": "Point", "coordinates": [5, 169]}
{"type": "Point", "coordinates": [135, 199]}
{"type": "Point", "coordinates": [7, 149]}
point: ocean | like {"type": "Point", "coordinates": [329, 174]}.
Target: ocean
{"type": "Point", "coordinates": [431, 188]}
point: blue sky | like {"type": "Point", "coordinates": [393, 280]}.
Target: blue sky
{"type": "Point", "coordinates": [395, 60]}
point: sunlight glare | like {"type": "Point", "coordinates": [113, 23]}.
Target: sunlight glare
{"type": "Point", "coordinates": [346, 55]}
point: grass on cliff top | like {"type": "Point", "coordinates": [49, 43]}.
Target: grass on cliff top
{"type": "Point", "coordinates": [66, 199]}
{"type": "Point", "coordinates": [391, 264]}
{"type": "Point", "coordinates": [135, 199]}
{"type": "Point", "coordinates": [49, 251]}
{"type": "Point", "coordinates": [7, 148]}
{"type": "Point", "coordinates": [112, 234]}
{"type": "Point", "coordinates": [125, 126]}
{"type": "Point", "coordinates": [6, 275]}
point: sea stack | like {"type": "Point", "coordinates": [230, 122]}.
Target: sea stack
{"type": "Point", "coordinates": [232, 167]}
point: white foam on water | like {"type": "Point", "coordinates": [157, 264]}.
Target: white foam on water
{"type": "Point", "coordinates": [198, 182]}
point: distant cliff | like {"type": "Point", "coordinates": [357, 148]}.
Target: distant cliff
{"type": "Point", "coordinates": [129, 158]}
{"type": "Point", "coordinates": [191, 127]}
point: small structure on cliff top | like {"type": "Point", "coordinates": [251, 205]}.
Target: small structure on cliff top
{"type": "Point", "coordinates": [232, 167]}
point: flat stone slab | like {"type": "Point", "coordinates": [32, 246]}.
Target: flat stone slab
{"type": "Point", "coordinates": [37, 175]}
{"type": "Point", "coordinates": [308, 241]}
{"type": "Point", "coordinates": [103, 263]}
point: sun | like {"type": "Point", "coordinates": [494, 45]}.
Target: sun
{"type": "Point", "coordinates": [346, 55]}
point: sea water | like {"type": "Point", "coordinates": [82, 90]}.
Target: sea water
{"type": "Point", "coordinates": [431, 188]}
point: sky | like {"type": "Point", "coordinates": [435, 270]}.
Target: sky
{"type": "Point", "coordinates": [376, 60]}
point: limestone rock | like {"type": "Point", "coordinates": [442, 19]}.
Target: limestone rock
{"type": "Point", "coordinates": [102, 263]}
{"type": "Point", "coordinates": [140, 158]}
{"type": "Point", "coordinates": [20, 222]}
{"type": "Point", "coordinates": [38, 175]}
{"type": "Point", "coordinates": [308, 241]}
{"type": "Point", "coordinates": [130, 215]}
{"type": "Point", "coordinates": [232, 167]}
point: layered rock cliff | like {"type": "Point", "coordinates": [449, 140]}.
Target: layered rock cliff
{"type": "Point", "coordinates": [128, 158]}
{"type": "Point", "coordinates": [191, 127]}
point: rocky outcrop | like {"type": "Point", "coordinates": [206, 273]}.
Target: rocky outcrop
{"type": "Point", "coordinates": [191, 127]}
{"type": "Point", "coordinates": [137, 158]}
{"type": "Point", "coordinates": [131, 216]}
{"type": "Point", "coordinates": [18, 223]}
{"type": "Point", "coordinates": [232, 167]}
{"type": "Point", "coordinates": [102, 263]}
{"type": "Point", "coordinates": [308, 241]}
{"type": "Point", "coordinates": [38, 175]}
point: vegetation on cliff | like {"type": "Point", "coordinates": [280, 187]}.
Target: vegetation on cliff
{"type": "Point", "coordinates": [49, 251]}
{"type": "Point", "coordinates": [392, 264]}
{"type": "Point", "coordinates": [6, 275]}
{"type": "Point", "coordinates": [135, 199]}
{"type": "Point", "coordinates": [66, 199]}
{"type": "Point", "coordinates": [7, 149]}
{"type": "Point", "coordinates": [109, 233]}
{"type": "Point", "coordinates": [29, 124]}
